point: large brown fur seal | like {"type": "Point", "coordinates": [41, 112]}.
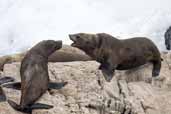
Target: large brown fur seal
{"type": "Point", "coordinates": [65, 54]}
{"type": "Point", "coordinates": [117, 54]}
{"type": "Point", "coordinates": [34, 76]}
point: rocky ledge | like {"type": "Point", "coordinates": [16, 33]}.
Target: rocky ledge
{"type": "Point", "coordinates": [130, 92]}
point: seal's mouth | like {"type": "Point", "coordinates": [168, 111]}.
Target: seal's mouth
{"type": "Point", "coordinates": [73, 38]}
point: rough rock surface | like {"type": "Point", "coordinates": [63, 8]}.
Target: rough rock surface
{"type": "Point", "coordinates": [130, 92]}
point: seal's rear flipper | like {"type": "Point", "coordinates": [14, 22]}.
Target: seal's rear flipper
{"type": "Point", "coordinates": [18, 108]}
{"type": "Point", "coordinates": [29, 109]}
{"type": "Point", "coordinates": [40, 106]}
{"type": "Point", "coordinates": [54, 85]}
{"type": "Point", "coordinates": [6, 80]}
{"type": "Point", "coordinates": [14, 85]}
{"type": "Point", "coordinates": [2, 95]}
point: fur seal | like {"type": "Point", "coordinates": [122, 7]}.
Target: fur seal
{"type": "Point", "coordinates": [167, 36]}
{"type": "Point", "coordinates": [65, 54]}
{"type": "Point", "coordinates": [2, 95]}
{"type": "Point", "coordinates": [117, 54]}
{"type": "Point", "coordinates": [34, 76]}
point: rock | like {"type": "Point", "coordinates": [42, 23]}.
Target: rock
{"type": "Point", "coordinates": [167, 37]}
{"type": "Point", "coordinates": [130, 92]}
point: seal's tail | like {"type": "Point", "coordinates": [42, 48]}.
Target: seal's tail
{"type": "Point", "coordinates": [28, 109]}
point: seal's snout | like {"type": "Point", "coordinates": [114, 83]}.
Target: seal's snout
{"type": "Point", "coordinates": [73, 38]}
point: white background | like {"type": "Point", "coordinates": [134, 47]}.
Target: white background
{"type": "Point", "coordinates": [25, 22]}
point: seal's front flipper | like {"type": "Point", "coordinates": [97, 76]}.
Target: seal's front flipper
{"type": "Point", "coordinates": [14, 105]}
{"type": "Point", "coordinates": [108, 74]}
{"type": "Point", "coordinates": [2, 95]}
{"type": "Point", "coordinates": [40, 106]}
{"type": "Point", "coordinates": [6, 80]}
{"type": "Point", "coordinates": [14, 85]}
{"type": "Point", "coordinates": [54, 85]}
{"type": "Point", "coordinates": [18, 107]}
{"type": "Point", "coordinates": [108, 71]}
{"type": "Point", "coordinates": [28, 109]}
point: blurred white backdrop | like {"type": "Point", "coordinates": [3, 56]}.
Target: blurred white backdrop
{"type": "Point", "coordinates": [25, 22]}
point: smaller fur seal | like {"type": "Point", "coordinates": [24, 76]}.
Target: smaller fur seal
{"type": "Point", "coordinates": [117, 54]}
{"type": "Point", "coordinates": [34, 76]}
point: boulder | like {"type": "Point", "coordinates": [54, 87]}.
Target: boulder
{"type": "Point", "coordinates": [130, 92]}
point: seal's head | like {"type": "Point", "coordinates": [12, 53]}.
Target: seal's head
{"type": "Point", "coordinates": [85, 41]}
{"type": "Point", "coordinates": [47, 47]}
{"type": "Point", "coordinates": [90, 43]}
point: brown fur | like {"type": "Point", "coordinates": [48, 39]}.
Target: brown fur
{"type": "Point", "coordinates": [117, 54]}
{"type": "Point", "coordinates": [34, 73]}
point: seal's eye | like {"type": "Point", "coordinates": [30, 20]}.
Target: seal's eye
{"type": "Point", "coordinates": [78, 37]}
